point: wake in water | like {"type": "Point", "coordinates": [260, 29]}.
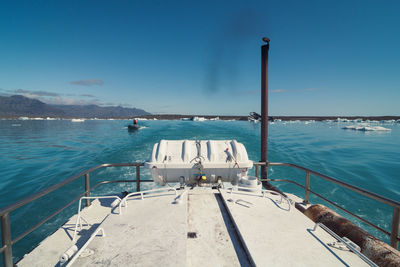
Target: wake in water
{"type": "Point", "coordinates": [140, 127]}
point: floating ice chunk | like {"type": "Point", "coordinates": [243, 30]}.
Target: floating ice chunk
{"type": "Point", "coordinates": [365, 127]}
{"type": "Point", "coordinates": [253, 120]}
{"type": "Point", "coordinates": [379, 128]}
{"type": "Point", "coordinates": [341, 120]}
{"type": "Point", "coordinates": [140, 119]}
{"type": "Point", "coordinates": [198, 118]}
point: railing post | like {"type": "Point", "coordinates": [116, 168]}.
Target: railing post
{"type": "Point", "coordinates": [137, 178]}
{"type": "Point", "coordinates": [87, 188]}
{"type": "Point", "coordinates": [395, 228]}
{"type": "Point", "coordinates": [257, 171]}
{"type": "Point", "coordinates": [307, 192]}
{"type": "Point", "coordinates": [6, 240]}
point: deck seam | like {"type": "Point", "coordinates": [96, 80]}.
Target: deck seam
{"type": "Point", "coordinates": [236, 228]}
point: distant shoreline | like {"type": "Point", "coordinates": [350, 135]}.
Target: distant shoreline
{"type": "Point", "coordinates": [239, 118]}
{"type": "Point", "coordinates": [283, 118]}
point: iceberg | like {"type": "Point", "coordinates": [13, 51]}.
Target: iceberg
{"type": "Point", "coordinates": [198, 118]}
{"type": "Point", "coordinates": [341, 120]}
{"type": "Point", "coordinates": [365, 127]}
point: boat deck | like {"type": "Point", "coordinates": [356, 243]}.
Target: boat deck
{"type": "Point", "coordinates": [276, 234]}
{"type": "Point", "coordinates": [205, 227]}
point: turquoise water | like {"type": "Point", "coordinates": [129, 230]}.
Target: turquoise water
{"type": "Point", "coordinates": [37, 154]}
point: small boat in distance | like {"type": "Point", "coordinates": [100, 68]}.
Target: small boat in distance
{"type": "Point", "coordinates": [133, 127]}
{"type": "Point", "coordinates": [254, 117]}
{"type": "Point", "coordinates": [77, 120]}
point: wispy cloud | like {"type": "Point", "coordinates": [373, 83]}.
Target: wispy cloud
{"type": "Point", "coordinates": [56, 98]}
{"type": "Point", "coordinates": [33, 93]}
{"type": "Point", "coordinates": [90, 82]}
{"type": "Point", "coordinates": [278, 91]}
{"type": "Point", "coordinates": [70, 101]}
{"type": "Point", "coordinates": [87, 95]}
{"type": "Point", "coordinates": [109, 104]}
{"type": "Point", "coordinates": [112, 104]}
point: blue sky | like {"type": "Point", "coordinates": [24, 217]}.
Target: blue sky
{"type": "Point", "coordinates": [203, 57]}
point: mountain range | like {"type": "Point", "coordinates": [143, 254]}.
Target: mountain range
{"type": "Point", "coordinates": [18, 105]}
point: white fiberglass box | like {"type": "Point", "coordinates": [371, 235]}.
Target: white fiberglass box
{"type": "Point", "coordinates": [189, 161]}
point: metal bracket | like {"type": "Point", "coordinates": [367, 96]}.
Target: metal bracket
{"type": "Point", "coordinates": [348, 243]}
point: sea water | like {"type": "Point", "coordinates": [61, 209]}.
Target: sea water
{"type": "Point", "coordinates": [35, 154]}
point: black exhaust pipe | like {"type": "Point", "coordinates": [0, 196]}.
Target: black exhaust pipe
{"type": "Point", "coordinates": [264, 107]}
{"type": "Point", "coordinates": [264, 116]}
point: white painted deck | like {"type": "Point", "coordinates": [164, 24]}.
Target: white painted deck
{"type": "Point", "coordinates": [228, 229]}
{"type": "Point", "coordinates": [277, 234]}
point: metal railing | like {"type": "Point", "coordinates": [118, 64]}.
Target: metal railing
{"type": "Point", "coordinates": [8, 242]}
{"type": "Point", "coordinates": [394, 234]}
